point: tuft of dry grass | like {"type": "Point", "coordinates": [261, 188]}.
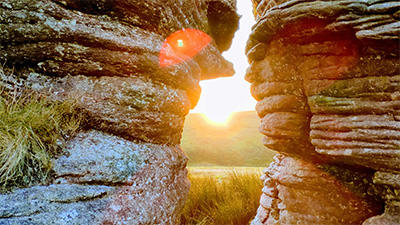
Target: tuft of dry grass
{"type": "Point", "coordinates": [233, 199]}
{"type": "Point", "coordinates": [32, 129]}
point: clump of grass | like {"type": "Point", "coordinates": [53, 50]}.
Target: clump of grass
{"type": "Point", "coordinates": [31, 128]}
{"type": "Point", "coordinates": [230, 200]}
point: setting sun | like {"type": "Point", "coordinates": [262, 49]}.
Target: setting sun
{"type": "Point", "coordinates": [220, 118]}
{"type": "Point", "coordinates": [221, 97]}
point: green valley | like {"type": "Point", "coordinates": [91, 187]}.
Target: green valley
{"type": "Point", "coordinates": [236, 143]}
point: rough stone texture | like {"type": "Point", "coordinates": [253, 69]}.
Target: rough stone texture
{"type": "Point", "coordinates": [106, 54]}
{"type": "Point", "coordinates": [126, 165]}
{"type": "Point", "coordinates": [55, 204]}
{"type": "Point", "coordinates": [103, 179]}
{"type": "Point", "coordinates": [327, 78]}
{"type": "Point", "coordinates": [296, 193]}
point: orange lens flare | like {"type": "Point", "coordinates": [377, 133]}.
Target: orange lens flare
{"type": "Point", "coordinates": [182, 46]}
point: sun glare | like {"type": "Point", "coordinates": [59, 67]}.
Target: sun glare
{"type": "Point", "coordinates": [222, 97]}
{"type": "Point", "coordinates": [220, 118]}
{"type": "Point", "coordinates": [180, 43]}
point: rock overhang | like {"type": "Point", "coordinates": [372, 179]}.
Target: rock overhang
{"type": "Point", "coordinates": [104, 51]}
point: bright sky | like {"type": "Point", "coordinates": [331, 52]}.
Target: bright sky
{"type": "Point", "coordinates": [223, 96]}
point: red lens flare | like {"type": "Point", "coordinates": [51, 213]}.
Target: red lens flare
{"type": "Point", "coordinates": [182, 45]}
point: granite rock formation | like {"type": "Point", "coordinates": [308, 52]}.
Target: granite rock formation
{"type": "Point", "coordinates": [126, 166]}
{"type": "Point", "coordinates": [327, 78]}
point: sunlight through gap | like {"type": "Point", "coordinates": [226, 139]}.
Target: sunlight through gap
{"type": "Point", "coordinates": [222, 97]}
{"type": "Point", "coordinates": [219, 118]}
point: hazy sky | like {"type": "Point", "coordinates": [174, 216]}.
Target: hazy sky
{"type": "Point", "coordinates": [222, 96]}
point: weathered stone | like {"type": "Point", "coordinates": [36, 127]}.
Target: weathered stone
{"type": "Point", "coordinates": [321, 13]}
{"type": "Point", "coordinates": [97, 158]}
{"type": "Point", "coordinates": [106, 33]}
{"type": "Point", "coordinates": [371, 140]}
{"type": "Point", "coordinates": [325, 74]}
{"type": "Point", "coordinates": [387, 178]}
{"type": "Point", "coordinates": [126, 165]}
{"type": "Point", "coordinates": [390, 217]}
{"type": "Point", "coordinates": [102, 40]}
{"type": "Point", "coordinates": [265, 89]}
{"type": "Point", "coordinates": [55, 204]}
{"type": "Point", "coordinates": [375, 86]}
{"type": "Point", "coordinates": [302, 197]}
{"type": "Point", "coordinates": [284, 124]}
{"type": "Point", "coordinates": [122, 105]}
{"type": "Point", "coordinates": [282, 103]}
{"type": "Point", "coordinates": [105, 179]}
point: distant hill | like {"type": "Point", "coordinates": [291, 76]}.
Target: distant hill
{"type": "Point", "coordinates": [236, 144]}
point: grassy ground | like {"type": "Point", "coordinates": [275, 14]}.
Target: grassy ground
{"type": "Point", "coordinates": [222, 196]}
{"type": "Point", "coordinates": [31, 129]}
{"type": "Point", "coordinates": [238, 143]}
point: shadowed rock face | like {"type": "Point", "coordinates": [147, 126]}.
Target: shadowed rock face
{"type": "Point", "coordinates": [326, 75]}
{"type": "Point", "coordinates": [127, 166]}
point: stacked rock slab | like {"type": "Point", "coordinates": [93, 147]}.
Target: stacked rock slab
{"type": "Point", "coordinates": [326, 75]}
{"type": "Point", "coordinates": [127, 166]}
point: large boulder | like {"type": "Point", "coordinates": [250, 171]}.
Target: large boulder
{"type": "Point", "coordinates": [104, 179]}
{"type": "Point", "coordinates": [126, 165]}
{"type": "Point", "coordinates": [326, 75]}
{"type": "Point", "coordinates": [299, 192]}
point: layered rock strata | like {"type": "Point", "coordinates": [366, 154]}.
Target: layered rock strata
{"type": "Point", "coordinates": [126, 166]}
{"type": "Point", "coordinates": [327, 78]}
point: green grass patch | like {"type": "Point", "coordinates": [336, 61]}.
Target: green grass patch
{"type": "Point", "coordinates": [32, 130]}
{"type": "Point", "coordinates": [231, 197]}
